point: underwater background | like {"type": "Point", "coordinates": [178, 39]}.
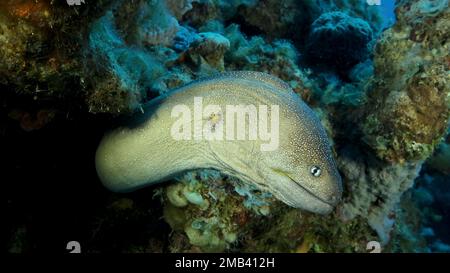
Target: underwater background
{"type": "Point", "coordinates": [376, 75]}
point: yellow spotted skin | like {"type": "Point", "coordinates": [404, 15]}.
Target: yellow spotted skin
{"type": "Point", "coordinates": [301, 172]}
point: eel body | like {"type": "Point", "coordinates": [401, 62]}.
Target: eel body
{"type": "Point", "coordinates": [296, 165]}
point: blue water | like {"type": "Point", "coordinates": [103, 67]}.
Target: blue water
{"type": "Point", "coordinates": [387, 10]}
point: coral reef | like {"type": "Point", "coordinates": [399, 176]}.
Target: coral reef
{"type": "Point", "coordinates": [40, 49]}
{"type": "Point", "coordinates": [409, 102]}
{"type": "Point", "coordinates": [385, 104]}
{"type": "Point", "coordinates": [179, 8]}
{"type": "Point", "coordinates": [374, 189]}
{"type": "Point", "coordinates": [131, 70]}
{"type": "Point", "coordinates": [209, 49]}
{"type": "Point", "coordinates": [202, 207]}
{"type": "Point", "coordinates": [405, 108]}
{"type": "Point", "coordinates": [338, 40]}
{"type": "Point", "coordinates": [292, 20]}
{"type": "Point", "coordinates": [406, 115]}
{"type": "Point", "coordinates": [274, 18]}
{"type": "Point", "coordinates": [152, 22]}
{"type": "Point", "coordinates": [277, 58]}
{"type": "Point", "coordinates": [291, 231]}
{"type": "Point", "coordinates": [424, 207]}
{"type": "Point", "coordinates": [26, 32]}
{"type": "Point", "coordinates": [440, 161]}
{"type": "Point", "coordinates": [210, 212]}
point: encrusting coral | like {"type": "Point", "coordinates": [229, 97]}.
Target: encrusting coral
{"type": "Point", "coordinates": [408, 109]}
{"type": "Point", "coordinates": [212, 212]}
{"type": "Point", "coordinates": [374, 189]}
{"type": "Point", "coordinates": [202, 207]}
{"type": "Point", "coordinates": [407, 114]}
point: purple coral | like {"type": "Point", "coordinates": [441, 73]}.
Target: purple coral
{"type": "Point", "coordinates": [338, 40]}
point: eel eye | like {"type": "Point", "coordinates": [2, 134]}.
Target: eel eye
{"type": "Point", "coordinates": [316, 171]}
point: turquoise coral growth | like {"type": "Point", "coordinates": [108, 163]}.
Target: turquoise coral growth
{"type": "Point", "coordinates": [134, 69]}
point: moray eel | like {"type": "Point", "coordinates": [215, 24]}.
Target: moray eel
{"type": "Point", "coordinates": [301, 172]}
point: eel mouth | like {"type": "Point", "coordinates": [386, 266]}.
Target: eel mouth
{"type": "Point", "coordinates": [316, 203]}
{"type": "Point", "coordinates": [318, 198]}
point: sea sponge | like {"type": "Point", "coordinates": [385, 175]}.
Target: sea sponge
{"type": "Point", "coordinates": [338, 40]}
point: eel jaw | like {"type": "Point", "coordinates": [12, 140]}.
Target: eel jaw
{"type": "Point", "coordinates": [293, 194]}
{"type": "Point", "coordinates": [306, 201]}
{"type": "Point", "coordinates": [327, 206]}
